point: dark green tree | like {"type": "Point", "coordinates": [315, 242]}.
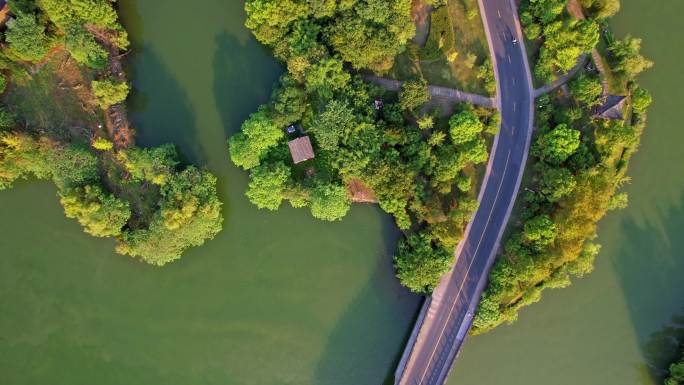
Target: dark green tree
{"type": "Point", "coordinates": [420, 263]}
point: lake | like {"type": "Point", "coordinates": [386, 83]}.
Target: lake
{"type": "Point", "coordinates": [276, 298]}
{"type": "Point", "coordinates": [280, 298]}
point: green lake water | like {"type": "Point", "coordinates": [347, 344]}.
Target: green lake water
{"type": "Point", "coordinates": [617, 326]}
{"type": "Point", "coordinates": [276, 298]}
{"type": "Point", "coordinates": [279, 298]}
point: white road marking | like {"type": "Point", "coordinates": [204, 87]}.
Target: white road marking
{"type": "Point", "coordinates": [499, 12]}
{"type": "Point", "coordinates": [509, 59]}
{"type": "Point", "coordinates": [460, 289]}
{"type": "Point", "coordinates": [514, 106]}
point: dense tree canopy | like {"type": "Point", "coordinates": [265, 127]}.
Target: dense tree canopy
{"type": "Point", "coordinates": [189, 214]}
{"type": "Point", "coordinates": [259, 133]}
{"type": "Point", "coordinates": [100, 214]}
{"type": "Point", "coordinates": [420, 264]}
{"type": "Point", "coordinates": [587, 90]}
{"type": "Point", "coordinates": [556, 145]}
{"type": "Point", "coordinates": [465, 127]}
{"type": "Point", "coordinates": [26, 37]}
{"type": "Point", "coordinates": [365, 33]}
{"type": "Point", "coordinates": [268, 184]}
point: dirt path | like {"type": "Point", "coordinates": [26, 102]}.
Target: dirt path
{"type": "Point", "coordinates": [450, 94]}
{"type": "Point", "coordinates": [575, 9]}
{"type": "Point", "coordinates": [563, 79]}
{"type": "Point", "coordinates": [116, 116]}
{"type": "Point", "coordinates": [421, 18]}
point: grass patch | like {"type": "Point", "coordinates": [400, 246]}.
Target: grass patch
{"type": "Point", "coordinates": [455, 49]}
{"type": "Point", "coordinates": [55, 99]}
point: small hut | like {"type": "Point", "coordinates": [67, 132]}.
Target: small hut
{"type": "Point", "coordinates": [301, 149]}
{"type": "Point", "coordinates": [613, 108]}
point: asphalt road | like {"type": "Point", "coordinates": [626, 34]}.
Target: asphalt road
{"type": "Point", "coordinates": [450, 310]}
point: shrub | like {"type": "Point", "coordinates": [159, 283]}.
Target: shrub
{"type": "Point", "coordinates": [102, 144]}
{"type": "Point", "coordinates": [109, 92]}
{"type": "Point", "coordinates": [414, 93]}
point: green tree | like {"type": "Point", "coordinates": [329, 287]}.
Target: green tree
{"type": "Point", "coordinates": [414, 93]}
{"type": "Point", "coordinates": [556, 145]}
{"type": "Point", "coordinates": [602, 9]}
{"type": "Point", "coordinates": [21, 156]}
{"type": "Point", "coordinates": [556, 182]}
{"type": "Point", "coordinates": [426, 122]}
{"type": "Point", "coordinates": [370, 34]}
{"type": "Point", "coordinates": [420, 263]}
{"type": "Point", "coordinates": [540, 231]}
{"type": "Point", "coordinates": [155, 165]}
{"type": "Point", "coordinates": [109, 92]}
{"type": "Point", "coordinates": [85, 50]}
{"type": "Point", "coordinates": [101, 215]}
{"type": "Point", "coordinates": [676, 373]}
{"type": "Point", "coordinates": [330, 126]}
{"type": "Point", "coordinates": [326, 77]}
{"type": "Point", "coordinates": [259, 133]}
{"type": "Point", "coordinates": [587, 90]}
{"type": "Point", "coordinates": [545, 11]}
{"type": "Point", "coordinates": [26, 38]}
{"type": "Point", "coordinates": [618, 201]}
{"type": "Point", "coordinates": [330, 202]}
{"type": "Point", "coordinates": [189, 214]}
{"type": "Point", "coordinates": [641, 100]}
{"type": "Point", "coordinates": [626, 57]}
{"type": "Point", "coordinates": [268, 184]}
{"type": "Point", "coordinates": [73, 166]}
{"type": "Point", "coordinates": [465, 127]}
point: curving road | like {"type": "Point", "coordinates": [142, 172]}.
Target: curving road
{"type": "Point", "coordinates": [447, 316]}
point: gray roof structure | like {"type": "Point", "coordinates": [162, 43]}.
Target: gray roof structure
{"type": "Point", "coordinates": [613, 108]}
{"type": "Point", "coordinates": [301, 149]}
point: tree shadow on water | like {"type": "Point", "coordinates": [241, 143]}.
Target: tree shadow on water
{"type": "Point", "coordinates": [160, 108]}
{"type": "Point", "coordinates": [664, 347]}
{"type": "Point", "coordinates": [650, 266]}
{"type": "Point", "coordinates": [368, 339]}
{"type": "Point", "coordinates": [245, 74]}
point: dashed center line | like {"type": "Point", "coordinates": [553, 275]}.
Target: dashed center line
{"type": "Point", "coordinates": [460, 289]}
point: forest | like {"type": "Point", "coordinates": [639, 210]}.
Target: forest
{"type": "Point", "coordinates": [62, 118]}
{"type": "Point", "coordinates": [579, 157]}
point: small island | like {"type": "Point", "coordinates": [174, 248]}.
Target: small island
{"type": "Point", "coordinates": [329, 138]}
{"type": "Point", "coordinates": [63, 118]}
